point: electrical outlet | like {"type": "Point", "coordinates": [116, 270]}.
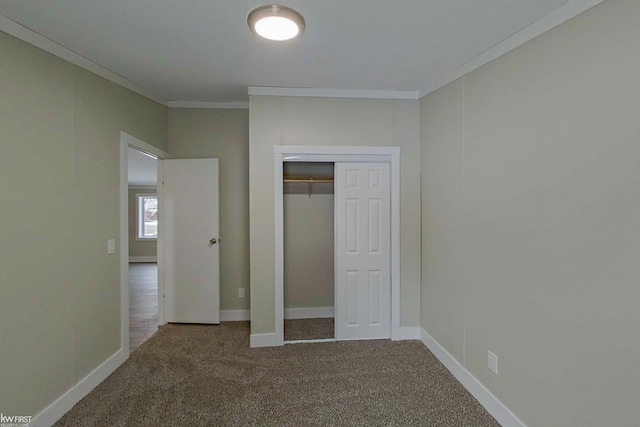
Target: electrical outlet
{"type": "Point", "coordinates": [111, 246]}
{"type": "Point", "coordinates": [492, 362]}
{"type": "Point", "coordinates": [240, 292]}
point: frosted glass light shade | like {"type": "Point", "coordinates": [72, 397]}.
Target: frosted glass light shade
{"type": "Point", "coordinates": [277, 23]}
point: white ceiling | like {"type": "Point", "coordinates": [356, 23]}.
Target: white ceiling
{"type": "Point", "coordinates": [143, 170]}
{"type": "Point", "coordinates": [202, 50]}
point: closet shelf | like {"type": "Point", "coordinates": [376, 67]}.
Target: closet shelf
{"type": "Point", "coordinates": [308, 181]}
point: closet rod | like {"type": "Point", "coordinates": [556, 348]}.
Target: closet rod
{"type": "Point", "coordinates": [309, 180]}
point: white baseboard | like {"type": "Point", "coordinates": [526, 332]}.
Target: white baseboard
{"type": "Point", "coordinates": [263, 340]}
{"type": "Point", "coordinates": [497, 409]}
{"type": "Point", "coordinates": [143, 259]}
{"type": "Point", "coordinates": [235, 315]}
{"type": "Point", "coordinates": [408, 333]}
{"type": "Point", "coordinates": [64, 403]}
{"type": "Point", "coordinates": [308, 313]}
{"type": "Point", "coordinates": [310, 341]}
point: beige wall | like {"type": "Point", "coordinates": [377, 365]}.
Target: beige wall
{"type": "Point", "coordinates": [224, 134]}
{"type": "Point", "coordinates": [530, 172]}
{"type": "Point", "coordinates": [59, 179]}
{"type": "Point", "coordinates": [308, 250]}
{"type": "Point", "coordinates": [138, 248]}
{"type": "Point", "coordinates": [443, 217]}
{"type": "Point", "coordinates": [329, 121]}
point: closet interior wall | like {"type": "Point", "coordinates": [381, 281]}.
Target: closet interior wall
{"type": "Point", "coordinates": [308, 240]}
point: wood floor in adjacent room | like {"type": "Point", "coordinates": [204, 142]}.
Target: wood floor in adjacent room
{"type": "Point", "coordinates": [143, 303]}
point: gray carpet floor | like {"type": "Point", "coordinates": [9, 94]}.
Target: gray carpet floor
{"type": "Point", "coordinates": [197, 375]}
{"type": "Point", "coordinates": [308, 329]}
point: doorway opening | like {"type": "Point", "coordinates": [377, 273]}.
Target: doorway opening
{"type": "Point", "coordinates": [365, 168]}
{"type": "Point", "coordinates": [142, 198]}
{"type": "Point", "coordinates": [141, 284]}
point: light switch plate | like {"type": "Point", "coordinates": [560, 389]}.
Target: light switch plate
{"type": "Point", "coordinates": [492, 361]}
{"type": "Point", "coordinates": [111, 246]}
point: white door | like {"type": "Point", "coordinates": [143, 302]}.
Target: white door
{"type": "Point", "coordinates": [363, 251]}
{"type": "Point", "coordinates": [191, 252]}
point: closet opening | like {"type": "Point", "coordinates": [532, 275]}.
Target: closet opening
{"type": "Point", "coordinates": [309, 251]}
{"type": "Point", "coordinates": [366, 239]}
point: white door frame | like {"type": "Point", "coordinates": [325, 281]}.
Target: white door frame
{"type": "Point", "coordinates": [127, 141]}
{"type": "Point", "coordinates": [300, 153]}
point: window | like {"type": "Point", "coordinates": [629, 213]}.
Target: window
{"type": "Point", "coordinates": [147, 216]}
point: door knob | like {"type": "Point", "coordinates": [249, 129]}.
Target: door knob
{"type": "Point", "coordinates": [213, 241]}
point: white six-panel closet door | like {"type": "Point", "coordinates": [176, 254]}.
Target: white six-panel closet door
{"type": "Point", "coordinates": [363, 251]}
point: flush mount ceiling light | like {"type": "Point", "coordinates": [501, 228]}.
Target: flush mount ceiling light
{"type": "Point", "coordinates": [275, 22]}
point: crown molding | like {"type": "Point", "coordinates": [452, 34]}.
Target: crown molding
{"type": "Point", "coordinates": [559, 16]}
{"type": "Point", "coordinates": [333, 93]}
{"type": "Point", "coordinates": [38, 40]}
{"type": "Point", "coordinates": [242, 105]}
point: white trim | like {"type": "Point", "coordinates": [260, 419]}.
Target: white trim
{"type": "Point", "coordinates": [134, 259]}
{"type": "Point", "coordinates": [311, 341]}
{"type": "Point", "coordinates": [408, 333]}
{"type": "Point", "coordinates": [495, 407]}
{"type": "Point", "coordinates": [308, 313]}
{"type": "Point", "coordinates": [333, 93]}
{"type": "Point", "coordinates": [327, 153]}
{"type": "Point", "coordinates": [140, 145]}
{"type": "Point", "coordinates": [263, 340]}
{"type": "Point", "coordinates": [395, 243]}
{"type": "Point", "coordinates": [278, 209]}
{"type": "Point", "coordinates": [38, 40]}
{"type": "Point", "coordinates": [559, 16]}
{"type": "Point", "coordinates": [124, 245]}
{"type": "Point", "coordinates": [127, 141]}
{"type": "Point", "coordinates": [64, 403]}
{"type": "Point", "coordinates": [143, 187]}
{"type": "Point", "coordinates": [334, 158]}
{"type": "Point", "coordinates": [160, 244]}
{"type": "Point", "coordinates": [240, 105]}
{"type": "Point", "coordinates": [299, 150]}
{"type": "Point", "coordinates": [235, 315]}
